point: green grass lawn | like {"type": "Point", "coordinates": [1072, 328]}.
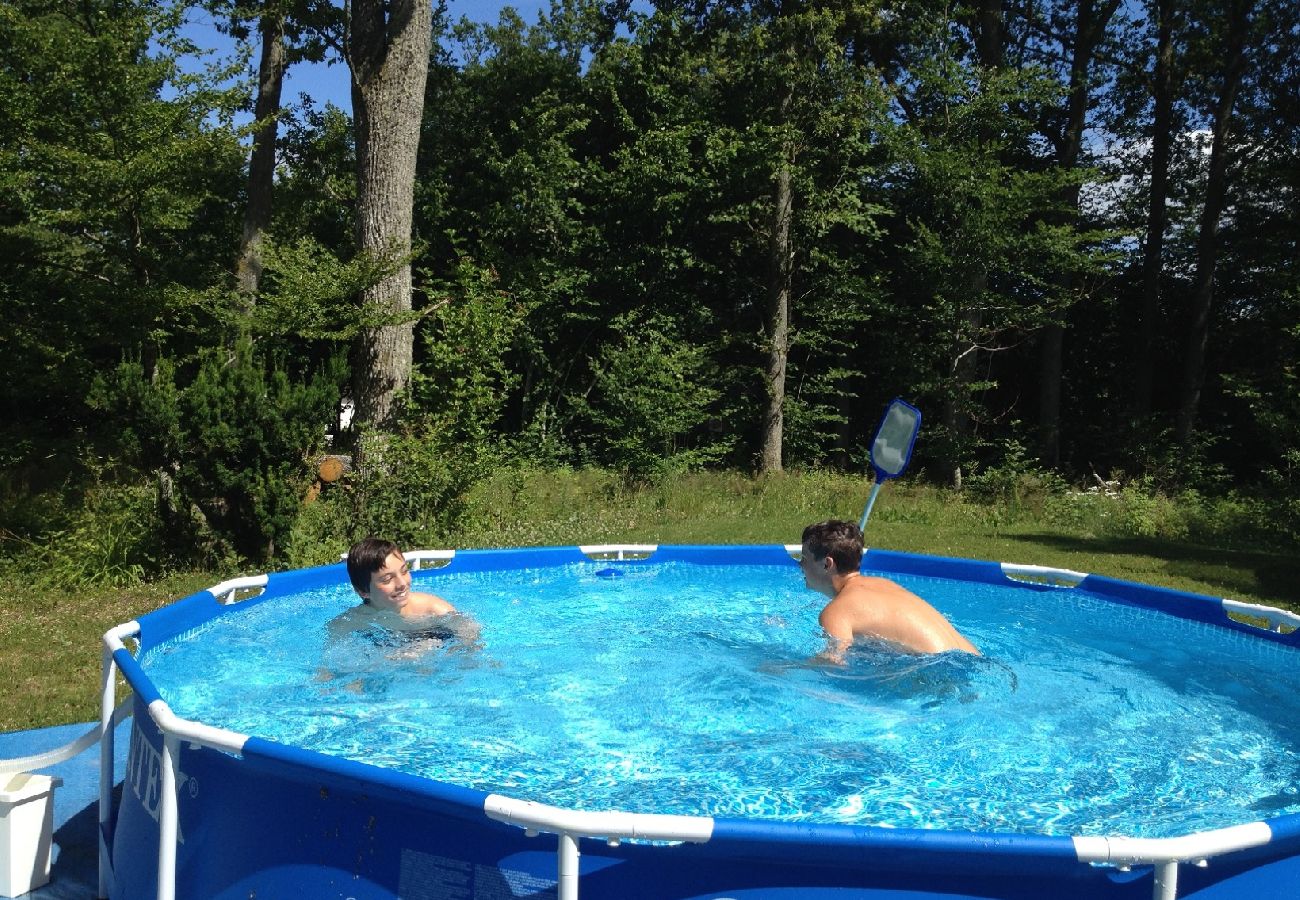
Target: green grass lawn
{"type": "Point", "coordinates": [50, 638]}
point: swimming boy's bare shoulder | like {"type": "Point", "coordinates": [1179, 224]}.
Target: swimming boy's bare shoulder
{"type": "Point", "coordinates": [867, 606]}
{"type": "Point", "coordinates": [422, 604]}
{"type": "Point", "coordinates": [854, 609]}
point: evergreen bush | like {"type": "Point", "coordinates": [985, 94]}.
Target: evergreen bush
{"type": "Point", "coordinates": [237, 444]}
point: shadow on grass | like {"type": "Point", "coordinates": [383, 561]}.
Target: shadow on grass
{"type": "Point", "coordinates": [1233, 571]}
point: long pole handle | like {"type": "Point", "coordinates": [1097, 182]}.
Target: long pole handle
{"type": "Point", "coordinates": [871, 501]}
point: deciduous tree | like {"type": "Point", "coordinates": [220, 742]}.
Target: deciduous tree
{"type": "Point", "coordinates": [388, 46]}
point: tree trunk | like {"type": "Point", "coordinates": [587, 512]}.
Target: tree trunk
{"type": "Point", "coordinates": [388, 52]}
{"type": "Point", "coordinates": [965, 366]}
{"type": "Point", "coordinates": [1051, 350]}
{"type": "Point", "coordinates": [1090, 26]}
{"type": "Point", "coordinates": [780, 273]}
{"type": "Point", "coordinates": [1162, 87]}
{"type": "Point", "coordinates": [988, 31]}
{"type": "Point", "coordinates": [1207, 243]}
{"type": "Point", "coordinates": [261, 165]}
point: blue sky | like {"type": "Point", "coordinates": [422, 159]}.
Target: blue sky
{"type": "Point", "coordinates": [329, 83]}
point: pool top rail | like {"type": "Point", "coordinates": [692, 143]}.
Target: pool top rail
{"type": "Point", "coordinates": [1162, 854]}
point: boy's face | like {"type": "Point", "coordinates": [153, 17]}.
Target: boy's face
{"type": "Point", "coordinates": [390, 584]}
{"type": "Point", "coordinates": [816, 572]}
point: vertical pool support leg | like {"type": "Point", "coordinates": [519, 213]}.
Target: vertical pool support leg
{"type": "Point", "coordinates": [567, 864]}
{"type": "Point", "coordinates": [167, 818]}
{"type": "Point", "coordinates": [1166, 880]}
{"type": "Point", "coordinates": [108, 685]}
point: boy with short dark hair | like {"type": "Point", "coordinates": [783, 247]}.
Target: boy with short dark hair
{"type": "Point", "coordinates": [866, 606]}
{"type": "Point", "coordinates": [389, 609]}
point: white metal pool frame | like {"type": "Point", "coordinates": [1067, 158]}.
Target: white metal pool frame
{"type": "Point", "coordinates": [1163, 854]}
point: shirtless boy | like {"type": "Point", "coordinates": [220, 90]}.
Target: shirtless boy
{"type": "Point", "coordinates": [389, 607]}
{"type": "Point", "coordinates": [865, 606]}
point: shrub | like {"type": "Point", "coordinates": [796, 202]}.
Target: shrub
{"type": "Point", "coordinates": [110, 535]}
{"type": "Point", "coordinates": [1147, 513]}
{"type": "Point", "coordinates": [648, 403]}
{"type": "Point", "coordinates": [1017, 483]}
{"type": "Point", "coordinates": [237, 441]}
{"type": "Point", "coordinates": [408, 487]}
{"type": "Point", "coordinates": [464, 377]}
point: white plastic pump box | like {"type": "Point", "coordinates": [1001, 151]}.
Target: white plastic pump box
{"type": "Point", "coordinates": [26, 831]}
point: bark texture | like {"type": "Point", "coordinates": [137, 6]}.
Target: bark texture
{"type": "Point", "coordinates": [780, 274]}
{"type": "Point", "coordinates": [388, 52]}
{"type": "Point", "coordinates": [261, 166]}
{"type": "Point", "coordinates": [1089, 28]}
{"type": "Point", "coordinates": [1207, 242]}
{"type": "Point", "coordinates": [1162, 88]}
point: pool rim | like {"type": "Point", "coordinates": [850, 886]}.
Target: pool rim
{"type": "Point", "coordinates": [1122, 852]}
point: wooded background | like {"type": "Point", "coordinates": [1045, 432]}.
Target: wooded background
{"type": "Point", "coordinates": [650, 238]}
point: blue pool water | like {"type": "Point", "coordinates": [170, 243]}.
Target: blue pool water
{"type": "Point", "coordinates": [680, 688]}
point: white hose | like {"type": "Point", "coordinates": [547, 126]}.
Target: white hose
{"type": "Point", "coordinates": [58, 755]}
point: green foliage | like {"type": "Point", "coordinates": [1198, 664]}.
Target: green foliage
{"type": "Point", "coordinates": [147, 408]}
{"type": "Point", "coordinates": [96, 529]}
{"type": "Point", "coordinates": [306, 292]}
{"type": "Point", "coordinates": [1017, 481]}
{"type": "Point", "coordinates": [526, 506]}
{"type": "Point", "coordinates": [595, 247]}
{"type": "Point", "coordinates": [410, 485]}
{"type": "Point", "coordinates": [1265, 403]}
{"type": "Point", "coordinates": [1144, 513]}
{"type": "Point", "coordinates": [1140, 509]}
{"type": "Point", "coordinates": [316, 186]}
{"type": "Point", "coordinates": [305, 303]}
{"type": "Point", "coordinates": [252, 435]}
{"type": "Point", "coordinates": [111, 193]}
{"type": "Point", "coordinates": [980, 264]}
{"type": "Point", "coordinates": [239, 440]}
{"type": "Point", "coordinates": [1150, 448]}
{"type": "Point", "coordinates": [113, 539]}
{"type": "Point", "coordinates": [464, 379]}
{"type": "Point", "coordinates": [648, 402]}
{"type": "Point", "coordinates": [1282, 484]}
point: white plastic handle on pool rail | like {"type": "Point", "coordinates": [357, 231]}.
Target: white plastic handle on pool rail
{"type": "Point", "coordinates": [610, 825]}
{"type": "Point", "coordinates": [1166, 853]}
{"type": "Point", "coordinates": [1057, 576]}
{"type": "Point", "coordinates": [225, 591]}
{"type": "Point", "coordinates": [620, 551]}
{"type": "Point", "coordinates": [415, 557]}
{"type": "Point", "coordinates": [1275, 617]}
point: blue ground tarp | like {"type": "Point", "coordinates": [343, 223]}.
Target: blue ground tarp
{"type": "Point", "coordinates": [74, 872]}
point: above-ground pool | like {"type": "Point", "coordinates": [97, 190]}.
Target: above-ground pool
{"type": "Point", "coordinates": [641, 722]}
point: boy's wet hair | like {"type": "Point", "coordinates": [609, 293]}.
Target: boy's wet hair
{"type": "Point", "coordinates": [367, 557]}
{"type": "Point", "coordinates": [841, 541]}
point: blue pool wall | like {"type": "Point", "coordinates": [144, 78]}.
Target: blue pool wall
{"type": "Point", "coordinates": [280, 821]}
